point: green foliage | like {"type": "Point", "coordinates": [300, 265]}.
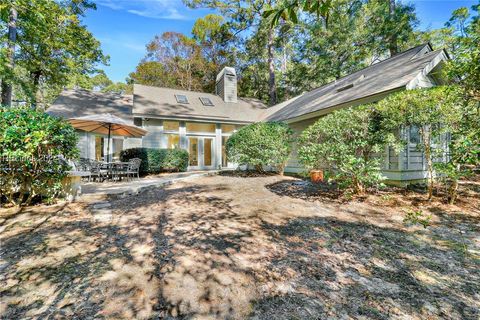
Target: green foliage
{"type": "Point", "coordinates": [417, 217]}
{"type": "Point", "coordinates": [290, 10]}
{"type": "Point", "coordinates": [52, 46]}
{"type": "Point", "coordinates": [466, 63]}
{"type": "Point", "coordinates": [157, 160]}
{"type": "Point", "coordinates": [33, 146]}
{"type": "Point", "coordinates": [464, 146]}
{"type": "Point", "coordinates": [152, 73]}
{"type": "Point", "coordinates": [261, 144]}
{"type": "Point", "coordinates": [345, 142]}
{"type": "Point", "coordinates": [433, 111]}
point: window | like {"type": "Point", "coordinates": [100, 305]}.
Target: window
{"type": "Point", "coordinates": [414, 135]}
{"type": "Point", "coordinates": [171, 125]}
{"type": "Point", "coordinates": [99, 148]}
{"type": "Point", "coordinates": [206, 101]}
{"type": "Point", "coordinates": [200, 127]}
{"type": "Point", "coordinates": [181, 98]}
{"type": "Point", "coordinates": [173, 141]}
{"type": "Point", "coordinates": [228, 128]}
{"type": "Point", "coordinates": [117, 147]}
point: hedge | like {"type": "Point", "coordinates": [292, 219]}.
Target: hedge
{"type": "Point", "coordinates": [157, 160]}
{"type": "Point", "coordinates": [34, 147]}
{"type": "Point", "coordinates": [261, 144]}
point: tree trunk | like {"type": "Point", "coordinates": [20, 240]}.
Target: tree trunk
{"type": "Point", "coordinates": [452, 191]}
{"type": "Point", "coordinates": [425, 133]}
{"type": "Point", "coordinates": [393, 41]}
{"type": "Point", "coordinates": [6, 98]}
{"type": "Point", "coordinates": [357, 186]}
{"type": "Point", "coordinates": [36, 83]}
{"type": "Point", "coordinates": [272, 88]}
{"type": "Point", "coordinates": [259, 168]}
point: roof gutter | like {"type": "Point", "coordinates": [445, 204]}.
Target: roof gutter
{"type": "Point", "coordinates": [191, 118]}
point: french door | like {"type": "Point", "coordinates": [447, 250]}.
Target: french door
{"type": "Point", "coordinates": [201, 153]}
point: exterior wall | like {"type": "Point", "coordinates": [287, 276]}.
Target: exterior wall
{"type": "Point", "coordinates": [293, 164]}
{"type": "Point", "coordinates": [407, 165]}
{"type": "Point", "coordinates": [157, 137]}
{"type": "Point", "coordinates": [86, 144]}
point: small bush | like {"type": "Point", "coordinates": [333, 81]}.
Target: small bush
{"type": "Point", "coordinates": [157, 160]}
{"type": "Point", "coordinates": [34, 147]}
{"type": "Point", "coordinates": [261, 144]}
{"type": "Point", "coordinates": [345, 143]}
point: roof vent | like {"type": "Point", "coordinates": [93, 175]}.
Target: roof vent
{"type": "Point", "coordinates": [348, 86]}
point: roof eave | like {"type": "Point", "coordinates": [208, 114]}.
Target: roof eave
{"type": "Point", "coordinates": [351, 103]}
{"type": "Point", "coordinates": [191, 118]}
{"type": "Point", "coordinates": [441, 57]}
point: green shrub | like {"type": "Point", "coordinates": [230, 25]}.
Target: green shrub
{"type": "Point", "coordinates": [157, 160]}
{"type": "Point", "coordinates": [176, 160]}
{"type": "Point", "coordinates": [345, 143]}
{"type": "Point", "coordinates": [261, 144]}
{"type": "Point", "coordinates": [34, 147]}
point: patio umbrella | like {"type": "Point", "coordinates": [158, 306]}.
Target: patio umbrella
{"type": "Point", "coordinates": [107, 124]}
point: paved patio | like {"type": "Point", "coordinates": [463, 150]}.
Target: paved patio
{"type": "Point", "coordinates": [101, 190]}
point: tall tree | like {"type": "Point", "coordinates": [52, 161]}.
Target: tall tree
{"type": "Point", "coordinates": [51, 46]}
{"type": "Point", "coordinates": [6, 92]}
{"type": "Point", "coordinates": [181, 57]}
{"type": "Point", "coordinates": [247, 16]}
{"type": "Point", "coordinates": [214, 39]}
{"type": "Point", "coordinates": [151, 73]}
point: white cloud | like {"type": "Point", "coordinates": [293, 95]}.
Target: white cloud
{"type": "Point", "coordinates": [157, 9]}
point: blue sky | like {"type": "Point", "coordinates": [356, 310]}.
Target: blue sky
{"type": "Point", "coordinates": [125, 26]}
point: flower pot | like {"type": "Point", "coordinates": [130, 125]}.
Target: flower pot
{"type": "Point", "coordinates": [316, 176]}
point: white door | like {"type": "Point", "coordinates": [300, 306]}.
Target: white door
{"type": "Point", "coordinates": [201, 152]}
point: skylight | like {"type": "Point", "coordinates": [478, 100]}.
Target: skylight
{"type": "Point", "coordinates": [206, 101]}
{"type": "Point", "coordinates": [181, 98]}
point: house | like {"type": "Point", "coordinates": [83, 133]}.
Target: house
{"type": "Point", "coordinates": [202, 122]}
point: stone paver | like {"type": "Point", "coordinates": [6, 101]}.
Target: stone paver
{"type": "Point", "coordinates": [98, 193]}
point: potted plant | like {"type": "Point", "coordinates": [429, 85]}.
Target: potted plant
{"type": "Point", "coordinates": [316, 175]}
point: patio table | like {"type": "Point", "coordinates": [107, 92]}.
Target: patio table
{"type": "Point", "coordinates": [114, 170]}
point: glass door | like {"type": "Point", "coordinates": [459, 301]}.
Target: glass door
{"type": "Point", "coordinates": [193, 151]}
{"type": "Point", "coordinates": [208, 153]}
{"type": "Point", "coordinates": [201, 153]}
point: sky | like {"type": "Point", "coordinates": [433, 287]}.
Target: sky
{"type": "Point", "coordinates": [124, 27]}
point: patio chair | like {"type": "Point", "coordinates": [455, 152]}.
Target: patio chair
{"type": "Point", "coordinates": [119, 170]}
{"type": "Point", "coordinates": [134, 168]}
{"type": "Point", "coordinates": [95, 170]}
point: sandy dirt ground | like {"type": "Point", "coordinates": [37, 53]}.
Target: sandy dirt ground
{"type": "Point", "coordinates": [233, 248]}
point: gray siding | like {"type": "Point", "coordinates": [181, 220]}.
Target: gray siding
{"type": "Point", "coordinates": [293, 164]}
{"type": "Point", "coordinates": [153, 138]}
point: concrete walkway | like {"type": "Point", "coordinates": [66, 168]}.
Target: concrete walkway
{"type": "Point", "coordinates": [94, 191]}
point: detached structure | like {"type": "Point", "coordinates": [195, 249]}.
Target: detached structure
{"type": "Point", "coordinates": [202, 122]}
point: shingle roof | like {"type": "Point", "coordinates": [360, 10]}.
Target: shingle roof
{"type": "Point", "coordinates": [161, 102]}
{"type": "Point", "coordinates": [79, 103]}
{"type": "Point", "coordinates": [389, 74]}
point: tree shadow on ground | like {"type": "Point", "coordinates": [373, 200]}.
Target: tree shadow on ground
{"type": "Point", "coordinates": [83, 263]}
{"type": "Point", "coordinates": [193, 251]}
{"type": "Point", "coordinates": [352, 270]}
{"type": "Point", "coordinates": [305, 190]}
